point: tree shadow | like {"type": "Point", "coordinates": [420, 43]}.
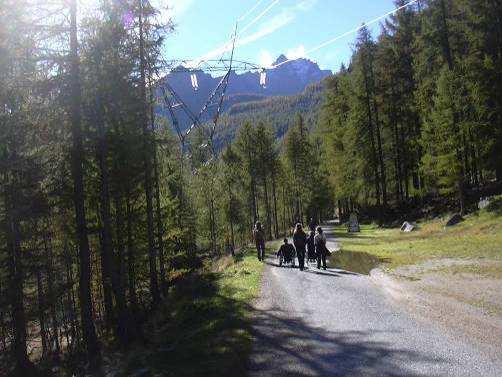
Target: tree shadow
{"type": "Point", "coordinates": [238, 256]}
{"type": "Point", "coordinates": [289, 347]}
{"type": "Point", "coordinates": [203, 330]}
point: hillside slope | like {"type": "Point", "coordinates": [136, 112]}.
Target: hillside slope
{"type": "Point", "coordinates": [279, 112]}
{"type": "Point", "coordinates": [244, 93]}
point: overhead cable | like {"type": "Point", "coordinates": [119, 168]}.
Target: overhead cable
{"type": "Point", "coordinates": [355, 30]}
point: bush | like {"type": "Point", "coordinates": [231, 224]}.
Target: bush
{"type": "Point", "coordinates": [495, 205]}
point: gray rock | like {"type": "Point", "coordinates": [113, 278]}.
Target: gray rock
{"type": "Point", "coordinates": [353, 226]}
{"type": "Point", "coordinates": [483, 203]}
{"type": "Point", "coordinates": [454, 220]}
{"type": "Point", "coordinates": [407, 227]}
{"type": "Point", "coordinates": [144, 372]}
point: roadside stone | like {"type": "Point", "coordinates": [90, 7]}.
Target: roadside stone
{"type": "Point", "coordinates": [454, 220]}
{"type": "Point", "coordinates": [141, 373]}
{"type": "Point", "coordinates": [407, 227]}
{"type": "Point", "coordinates": [353, 226]}
{"type": "Point", "coordinates": [484, 202]}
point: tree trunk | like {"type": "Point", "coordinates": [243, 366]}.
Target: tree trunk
{"type": "Point", "coordinates": [147, 150]}
{"type": "Point", "coordinates": [284, 209]}
{"type": "Point", "coordinates": [158, 208]}
{"type": "Point", "coordinates": [445, 36]}
{"type": "Point", "coordinates": [397, 162]}
{"type": "Point", "coordinates": [232, 237]}
{"type": "Point", "coordinates": [89, 332]}
{"type": "Point", "coordinates": [109, 317]}
{"type": "Point", "coordinates": [130, 332]}
{"type": "Point", "coordinates": [131, 258]}
{"type": "Point", "coordinates": [16, 278]}
{"type": "Point", "coordinates": [41, 315]}
{"type": "Point", "coordinates": [55, 344]}
{"type": "Point", "coordinates": [380, 157]}
{"type": "Point", "coordinates": [267, 209]}
{"type": "Point", "coordinates": [212, 220]}
{"type": "Point", "coordinates": [372, 139]}
{"type": "Point", "coordinates": [110, 270]}
{"type": "Point", "coordinates": [274, 196]}
{"type": "Point", "coordinates": [383, 180]}
{"type": "Point", "coordinates": [105, 216]}
{"type": "Point", "coordinates": [498, 172]}
{"type": "Point", "coordinates": [71, 295]}
{"type": "Point", "coordinates": [3, 330]}
{"type": "Point", "coordinates": [253, 200]}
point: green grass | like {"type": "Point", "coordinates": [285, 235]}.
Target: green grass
{"type": "Point", "coordinates": [479, 236]}
{"type": "Point", "coordinates": [205, 327]}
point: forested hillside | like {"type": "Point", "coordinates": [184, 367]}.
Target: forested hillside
{"type": "Point", "coordinates": [89, 203]}
{"type": "Point", "coordinates": [291, 78]}
{"type": "Point", "coordinates": [417, 113]}
{"type": "Point", "coordinates": [275, 111]}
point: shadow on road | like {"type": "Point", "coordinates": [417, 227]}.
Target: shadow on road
{"type": "Point", "coordinates": [289, 347]}
{"type": "Point", "coordinates": [312, 270]}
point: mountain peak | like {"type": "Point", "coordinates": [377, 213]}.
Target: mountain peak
{"type": "Point", "coordinates": [281, 59]}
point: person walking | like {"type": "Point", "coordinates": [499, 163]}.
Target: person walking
{"type": "Point", "coordinates": [320, 247]}
{"type": "Point", "coordinates": [300, 242]}
{"type": "Point", "coordinates": [312, 224]}
{"type": "Point", "coordinates": [259, 239]}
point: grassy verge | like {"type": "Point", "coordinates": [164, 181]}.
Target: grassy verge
{"type": "Point", "coordinates": [478, 237]}
{"type": "Point", "coordinates": [204, 329]}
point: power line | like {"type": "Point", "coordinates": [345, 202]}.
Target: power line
{"type": "Point", "coordinates": [220, 90]}
{"type": "Point", "coordinates": [355, 30]}
{"type": "Point", "coordinates": [243, 17]}
{"type": "Point", "coordinates": [227, 46]}
{"type": "Point", "coordinates": [172, 100]}
{"type": "Point", "coordinates": [260, 16]}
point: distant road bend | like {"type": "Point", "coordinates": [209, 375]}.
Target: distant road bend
{"type": "Point", "coordinates": [338, 323]}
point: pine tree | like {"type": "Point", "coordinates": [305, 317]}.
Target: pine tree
{"type": "Point", "coordinates": [442, 137]}
{"type": "Point", "coordinates": [231, 181]}
{"type": "Point", "coordinates": [89, 332]}
{"type": "Point", "coordinates": [484, 63]}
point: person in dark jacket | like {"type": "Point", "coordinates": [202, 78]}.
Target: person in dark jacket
{"type": "Point", "coordinates": [286, 252]}
{"type": "Point", "coordinates": [259, 239]}
{"type": "Point", "coordinates": [311, 246]}
{"type": "Point", "coordinates": [312, 224]}
{"type": "Point", "coordinates": [320, 247]}
{"type": "Point", "coordinates": [300, 242]}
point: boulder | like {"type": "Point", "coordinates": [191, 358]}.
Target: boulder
{"type": "Point", "coordinates": [454, 220]}
{"type": "Point", "coordinates": [483, 203]}
{"type": "Point", "coordinates": [353, 226]}
{"type": "Point", "coordinates": [407, 227]}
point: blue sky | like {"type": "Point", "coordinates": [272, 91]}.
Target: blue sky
{"type": "Point", "coordinates": [291, 27]}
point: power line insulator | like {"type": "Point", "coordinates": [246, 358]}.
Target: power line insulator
{"type": "Point", "coordinates": [263, 79]}
{"type": "Point", "coordinates": [195, 84]}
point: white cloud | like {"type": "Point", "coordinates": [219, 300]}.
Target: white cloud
{"type": "Point", "coordinates": [268, 28]}
{"type": "Point", "coordinates": [306, 5]}
{"type": "Point", "coordinates": [296, 52]}
{"type": "Point", "coordinates": [285, 17]}
{"type": "Point", "coordinates": [265, 59]}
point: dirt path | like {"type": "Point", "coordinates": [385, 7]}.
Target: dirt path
{"type": "Point", "coordinates": [340, 323]}
{"type": "Point", "coordinates": [465, 304]}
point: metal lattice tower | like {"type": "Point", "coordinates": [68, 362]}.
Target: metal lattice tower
{"type": "Point", "coordinates": [175, 104]}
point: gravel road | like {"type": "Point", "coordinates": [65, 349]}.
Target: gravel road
{"type": "Point", "coordinates": [338, 323]}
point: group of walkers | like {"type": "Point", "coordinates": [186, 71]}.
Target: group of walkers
{"type": "Point", "coordinates": [312, 246]}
